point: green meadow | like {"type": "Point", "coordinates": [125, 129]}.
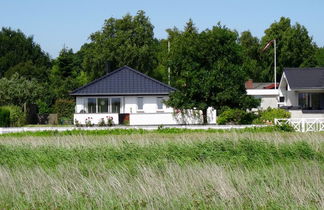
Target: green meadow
{"type": "Point", "coordinates": [262, 168]}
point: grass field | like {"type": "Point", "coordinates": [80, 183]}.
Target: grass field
{"type": "Point", "coordinates": [165, 169]}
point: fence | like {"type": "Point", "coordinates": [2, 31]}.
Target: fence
{"type": "Point", "coordinates": [303, 124]}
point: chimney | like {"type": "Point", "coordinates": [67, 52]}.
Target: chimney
{"type": "Point", "coordinates": [108, 67]}
{"type": "Point", "coordinates": [249, 84]}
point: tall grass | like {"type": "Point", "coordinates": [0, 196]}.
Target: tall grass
{"type": "Point", "coordinates": [128, 131]}
{"type": "Point", "coordinates": [179, 170]}
{"type": "Point", "coordinates": [202, 186]}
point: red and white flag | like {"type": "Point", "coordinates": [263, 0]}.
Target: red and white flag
{"type": "Point", "coordinates": [268, 45]}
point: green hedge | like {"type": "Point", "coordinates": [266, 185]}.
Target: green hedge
{"type": "Point", "coordinates": [17, 116]}
{"type": "Point", "coordinates": [235, 117]}
{"type": "Point", "coordinates": [4, 118]}
{"type": "Point", "coordinates": [64, 109]}
{"type": "Point", "coordinates": [267, 116]}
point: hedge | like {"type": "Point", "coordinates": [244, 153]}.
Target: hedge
{"type": "Point", "coordinates": [4, 118]}
{"type": "Point", "coordinates": [17, 116]}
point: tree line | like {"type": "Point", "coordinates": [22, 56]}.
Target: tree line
{"type": "Point", "coordinates": [208, 67]}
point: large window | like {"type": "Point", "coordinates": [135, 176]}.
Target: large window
{"type": "Point", "coordinates": [92, 105]}
{"type": "Point", "coordinates": [140, 103]}
{"type": "Point", "coordinates": [159, 103]}
{"type": "Point", "coordinates": [103, 104]}
{"type": "Point", "coordinates": [115, 105]}
{"type": "Point", "coordinates": [314, 101]}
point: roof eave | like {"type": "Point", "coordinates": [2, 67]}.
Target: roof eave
{"type": "Point", "coordinates": [118, 94]}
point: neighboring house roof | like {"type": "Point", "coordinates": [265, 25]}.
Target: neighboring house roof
{"type": "Point", "coordinates": [262, 85]}
{"type": "Point", "coordinates": [305, 78]}
{"type": "Point", "coordinates": [124, 81]}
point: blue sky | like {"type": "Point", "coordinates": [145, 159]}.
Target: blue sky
{"type": "Point", "coordinates": [69, 23]}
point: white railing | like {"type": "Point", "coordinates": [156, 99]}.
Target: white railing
{"type": "Point", "coordinates": [303, 124]}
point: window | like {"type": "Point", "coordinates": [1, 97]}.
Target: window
{"type": "Point", "coordinates": [140, 103]}
{"type": "Point", "coordinates": [103, 104]}
{"type": "Point", "coordinates": [92, 105]}
{"type": "Point", "coordinates": [160, 102]}
{"type": "Point", "coordinates": [281, 99]}
{"type": "Point", "coordinates": [115, 105]}
{"type": "Point", "coordinates": [314, 101]}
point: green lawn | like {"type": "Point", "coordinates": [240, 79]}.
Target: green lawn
{"type": "Point", "coordinates": [163, 169]}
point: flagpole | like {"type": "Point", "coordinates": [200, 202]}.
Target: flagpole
{"type": "Point", "coordinates": [275, 63]}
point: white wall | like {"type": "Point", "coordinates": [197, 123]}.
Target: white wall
{"type": "Point", "coordinates": [269, 101]}
{"type": "Point", "coordinates": [150, 104]}
{"type": "Point", "coordinates": [269, 97]}
{"type": "Point", "coordinates": [189, 117]}
{"type": "Point", "coordinates": [95, 118]}
{"type": "Point", "coordinates": [300, 114]}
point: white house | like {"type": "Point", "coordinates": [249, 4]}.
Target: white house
{"type": "Point", "coordinates": [301, 91]}
{"type": "Point", "coordinates": [129, 96]}
{"type": "Point", "coordinates": [263, 91]}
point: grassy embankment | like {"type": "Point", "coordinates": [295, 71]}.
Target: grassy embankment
{"type": "Point", "coordinates": [164, 169]}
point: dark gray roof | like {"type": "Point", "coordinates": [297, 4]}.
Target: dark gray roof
{"type": "Point", "coordinates": [124, 81]}
{"type": "Point", "coordinates": [305, 78]}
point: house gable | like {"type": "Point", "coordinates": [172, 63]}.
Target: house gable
{"type": "Point", "coordinates": [124, 81]}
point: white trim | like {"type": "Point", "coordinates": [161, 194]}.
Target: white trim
{"type": "Point", "coordinates": [262, 92]}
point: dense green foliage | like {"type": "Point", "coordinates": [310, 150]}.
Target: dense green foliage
{"type": "Point", "coordinates": [126, 41]}
{"type": "Point", "coordinates": [64, 108]}
{"type": "Point", "coordinates": [295, 48]}
{"type": "Point", "coordinates": [267, 116]}
{"type": "Point", "coordinates": [18, 90]}
{"type": "Point", "coordinates": [320, 57]}
{"type": "Point", "coordinates": [235, 117]}
{"type": "Point", "coordinates": [4, 117]}
{"type": "Point", "coordinates": [206, 70]}
{"type": "Point", "coordinates": [20, 54]}
{"type": "Point", "coordinates": [17, 116]}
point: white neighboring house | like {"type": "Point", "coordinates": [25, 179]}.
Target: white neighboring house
{"type": "Point", "coordinates": [263, 91]}
{"type": "Point", "coordinates": [301, 91]}
{"type": "Point", "coordinates": [129, 95]}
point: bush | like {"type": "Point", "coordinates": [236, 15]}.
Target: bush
{"type": "Point", "coordinates": [4, 118]}
{"type": "Point", "coordinates": [267, 116]}
{"type": "Point", "coordinates": [64, 109]}
{"type": "Point", "coordinates": [235, 117]}
{"type": "Point", "coordinates": [17, 116]}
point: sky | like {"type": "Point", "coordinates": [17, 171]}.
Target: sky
{"type": "Point", "coordinates": [68, 23]}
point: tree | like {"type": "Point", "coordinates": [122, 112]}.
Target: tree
{"type": "Point", "coordinates": [21, 54]}
{"type": "Point", "coordinates": [66, 73]}
{"type": "Point", "coordinates": [18, 91]}
{"type": "Point", "coordinates": [252, 62]}
{"type": "Point", "coordinates": [295, 48]}
{"type": "Point", "coordinates": [320, 56]}
{"type": "Point", "coordinates": [126, 41]}
{"type": "Point", "coordinates": [206, 70]}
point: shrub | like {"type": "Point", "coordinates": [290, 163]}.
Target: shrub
{"type": "Point", "coordinates": [102, 122]}
{"type": "Point", "coordinates": [64, 109]}
{"type": "Point", "coordinates": [285, 128]}
{"type": "Point", "coordinates": [267, 116]}
{"type": "Point", "coordinates": [235, 117]}
{"type": "Point", "coordinates": [4, 118]}
{"type": "Point", "coordinates": [17, 116]}
{"type": "Point", "coordinates": [43, 107]}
